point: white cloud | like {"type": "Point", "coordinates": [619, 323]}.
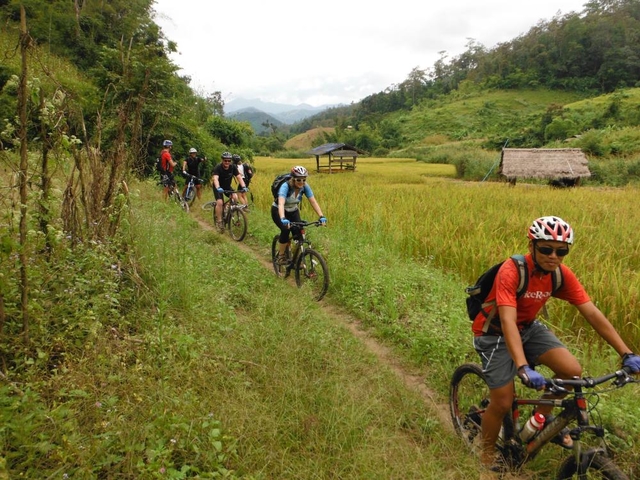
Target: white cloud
{"type": "Point", "coordinates": [338, 51]}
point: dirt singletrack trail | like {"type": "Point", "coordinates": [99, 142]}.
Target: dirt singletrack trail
{"type": "Point", "coordinates": [413, 380]}
{"type": "Point", "coordinates": [416, 381]}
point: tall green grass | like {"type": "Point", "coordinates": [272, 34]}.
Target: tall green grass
{"type": "Point", "coordinates": [188, 358]}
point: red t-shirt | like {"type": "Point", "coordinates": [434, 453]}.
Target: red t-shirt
{"type": "Point", "coordinates": [165, 158]}
{"type": "Point", "coordinates": [539, 289]}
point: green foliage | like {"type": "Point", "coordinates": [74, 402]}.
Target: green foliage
{"type": "Point", "coordinates": [231, 133]}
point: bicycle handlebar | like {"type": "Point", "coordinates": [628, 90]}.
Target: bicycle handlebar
{"type": "Point", "coordinates": [304, 223]}
{"type": "Point", "coordinates": [558, 385]}
{"type": "Point", "coordinates": [190, 177]}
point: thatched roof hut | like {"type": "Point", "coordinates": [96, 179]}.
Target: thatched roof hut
{"type": "Point", "coordinates": [550, 163]}
{"type": "Point", "coordinates": [342, 155]}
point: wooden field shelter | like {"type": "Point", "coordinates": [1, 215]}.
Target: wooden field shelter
{"type": "Point", "coordinates": [340, 157]}
{"type": "Point", "coordinates": [561, 166]}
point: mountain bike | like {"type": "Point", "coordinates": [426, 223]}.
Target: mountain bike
{"type": "Point", "coordinates": [234, 218]}
{"type": "Point", "coordinates": [174, 193]}
{"type": "Point", "coordinates": [469, 398]}
{"type": "Point", "coordinates": [191, 191]}
{"type": "Point", "coordinates": [308, 264]}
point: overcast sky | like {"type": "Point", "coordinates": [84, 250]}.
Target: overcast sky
{"type": "Point", "coordinates": [334, 51]}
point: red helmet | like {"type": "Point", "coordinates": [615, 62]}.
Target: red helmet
{"type": "Point", "coordinates": [551, 228]}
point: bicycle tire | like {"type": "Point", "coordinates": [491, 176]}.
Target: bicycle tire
{"type": "Point", "coordinates": [596, 465]}
{"type": "Point", "coordinates": [237, 224]}
{"type": "Point", "coordinates": [311, 269]}
{"type": "Point", "coordinates": [190, 195]}
{"type": "Point", "coordinates": [468, 399]}
{"type": "Point", "coordinates": [184, 205]}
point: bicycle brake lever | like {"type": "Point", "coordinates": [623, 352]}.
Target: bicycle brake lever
{"type": "Point", "coordinates": [622, 380]}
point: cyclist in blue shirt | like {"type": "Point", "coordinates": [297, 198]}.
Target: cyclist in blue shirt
{"type": "Point", "coordinates": [286, 208]}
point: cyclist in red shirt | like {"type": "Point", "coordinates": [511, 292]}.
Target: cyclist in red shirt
{"type": "Point", "coordinates": [515, 341]}
{"type": "Point", "coordinates": [167, 164]}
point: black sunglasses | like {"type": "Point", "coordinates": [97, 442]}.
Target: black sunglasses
{"type": "Point", "coordinates": [300, 179]}
{"type": "Point", "coordinates": [561, 252]}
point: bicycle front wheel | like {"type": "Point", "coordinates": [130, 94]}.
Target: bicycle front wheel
{"type": "Point", "coordinates": [237, 224]}
{"type": "Point", "coordinates": [190, 195]}
{"type": "Point", "coordinates": [312, 272]}
{"type": "Point", "coordinates": [594, 465]}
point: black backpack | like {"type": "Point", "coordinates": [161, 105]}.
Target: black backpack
{"type": "Point", "coordinates": [248, 171]}
{"type": "Point", "coordinates": [159, 168]}
{"type": "Point", "coordinates": [277, 182]}
{"type": "Point", "coordinates": [478, 293]}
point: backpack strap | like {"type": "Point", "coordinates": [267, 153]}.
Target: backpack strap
{"type": "Point", "coordinates": [556, 284]}
{"type": "Point", "coordinates": [556, 280]}
{"type": "Point", "coordinates": [521, 263]}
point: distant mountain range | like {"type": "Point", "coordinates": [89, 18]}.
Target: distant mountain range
{"type": "Point", "coordinates": [257, 112]}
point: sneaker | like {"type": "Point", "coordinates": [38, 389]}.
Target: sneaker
{"type": "Point", "coordinates": [220, 227]}
{"type": "Point", "coordinates": [281, 259]}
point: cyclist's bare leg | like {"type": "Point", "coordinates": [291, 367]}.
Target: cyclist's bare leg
{"type": "Point", "coordinates": [564, 365]}
{"type": "Point", "coordinates": [219, 203]}
{"type": "Point", "coordinates": [199, 191]}
{"type": "Point", "coordinates": [499, 404]}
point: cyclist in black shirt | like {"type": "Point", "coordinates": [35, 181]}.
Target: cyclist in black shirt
{"type": "Point", "coordinates": [223, 173]}
{"type": "Point", "coordinates": [191, 165]}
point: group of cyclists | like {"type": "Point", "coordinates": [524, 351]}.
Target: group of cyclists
{"type": "Point", "coordinates": [284, 210]}
{"type": "Point", "coordinates": [223, 174]}
{"type": "Point", "coordinates": [511, 341]}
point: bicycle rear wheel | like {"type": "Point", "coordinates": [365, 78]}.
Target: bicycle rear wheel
{"type": "Point", "coordinates": [182, 203]}
{"type": "Point", "coordinates": [468, 399]}
{"type": "Point", "coordinates": [237, 224]}
{"type": "Point", "coordinates": [312, 272]}
{"type": "Point", "coordinates": [595, 465]}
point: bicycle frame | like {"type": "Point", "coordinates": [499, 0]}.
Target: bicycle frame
{"type": "Point", "coordinates": [467, 409]}
{"type": "Point", "coordinates": [309, 266]}
{"type": "Point", "coordinates": [300, 244]}
{"type": "Point", "coordinates": [234, 217]}
{"type": "Point", "coordinates": [573, 408]}
{"type": "Point", "coordinates": [191, 190]}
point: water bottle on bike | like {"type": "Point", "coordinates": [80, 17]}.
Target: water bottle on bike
{"type": "Point", "coordinates": [533, 426]}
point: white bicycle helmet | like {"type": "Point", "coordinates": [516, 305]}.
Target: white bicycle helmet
{"type": "Point", "coordinates": [226, 155]}
{"type": "Point", "coordinates": [551, 228]}
{"type": "Point", "coordinates": [193, 150]}
{"type": "Point", "coordinates": [167, 143]}
{"type": "Point", "coordinates": [299, 171]}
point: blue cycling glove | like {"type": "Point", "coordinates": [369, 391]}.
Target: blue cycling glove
{"type": "Point", "coordinates": [632, 361]}
{"type": "Point", "coordinates": [285, 222]}
{"type": "Point", "coordinates": [323, 220]}
{"type": "Point", "coordinates": [244, 189]}
{"type": "Point", "coordinates": [220, 190]}
{"type": "Point", "coordinates": [531, 378]}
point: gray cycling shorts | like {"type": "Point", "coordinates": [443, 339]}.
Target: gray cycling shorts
{"type": "Point", "coordinates": [497, 364]}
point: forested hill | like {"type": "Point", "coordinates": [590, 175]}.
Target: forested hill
{"type": "Point", "coordinates": [579, 55]}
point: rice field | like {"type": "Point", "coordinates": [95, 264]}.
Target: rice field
{"type": "Point", "coordinates": [422, 213]}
